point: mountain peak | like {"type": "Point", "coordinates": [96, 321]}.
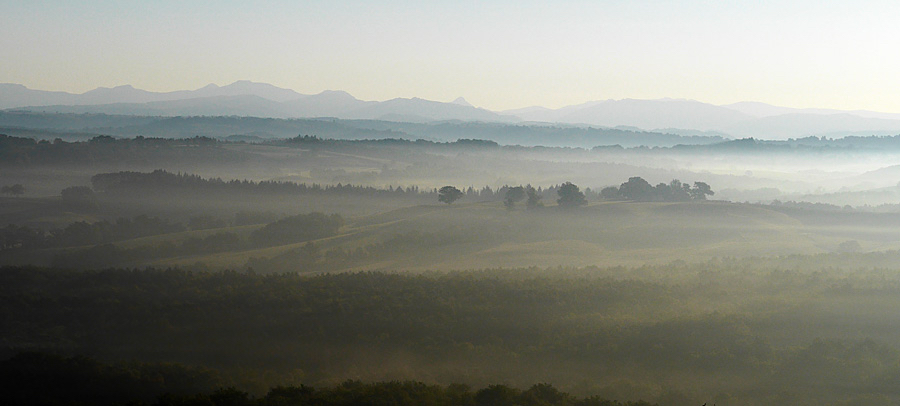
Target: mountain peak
{"type": "Point", "coordinates": [119, 90]}
{"type": "Point", "coordinates": [104, 88]}
{"type": "Point", "coordinates": [335, 95]}
{"type": "Point", "coordinates": [462, 102]}
{"type": "Point", "coordinates": [264, 90]}
{"type": "Point", "coordinates": [245, 84]}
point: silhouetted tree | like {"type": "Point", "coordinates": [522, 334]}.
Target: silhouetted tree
{"type": "Point", "coordinates": [514, 195]}
{"type": "Point", "coordinates": [570, 196]}
{"type": "Point", "coordinates": [449, 194]}
{"type": "Point", "coordinates": [636, 189]}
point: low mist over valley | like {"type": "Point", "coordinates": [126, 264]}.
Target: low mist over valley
{"type": "Point", "coordinates": [449, 204]}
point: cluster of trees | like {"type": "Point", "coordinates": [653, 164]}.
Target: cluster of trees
{"type": "Point", "coordinates": [571, 196]}
{"type": "Point", "coordinates": [14, 190]}
{"type": "Point", "coordinates": [510, 195]}
{"type": "Point", "coordinates": [638, 189]}
{"type": "Point", "coordinates": [518, 193]}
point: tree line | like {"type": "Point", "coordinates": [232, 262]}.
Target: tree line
{"type": "Point", "coordinates": [129, 181]}
{"type": "Point", "coordinates": [21, 151]}
{"type": "Point", "coordinates": [570, 195]}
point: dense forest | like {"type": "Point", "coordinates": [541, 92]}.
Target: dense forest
{"type": "Point", "coordinates": [727, 332]}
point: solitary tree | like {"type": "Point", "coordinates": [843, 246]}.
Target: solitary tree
{"type": "Point", "coordinates": [514, 195]}
{"type": "Point", "coordinates": [636, 189]}
{"type": "Point", "coordinates": [14, 190]}
{"type": "Point", "coordinates": [570, 196]}
{"type": "Point", "coordinates": [449, 194]}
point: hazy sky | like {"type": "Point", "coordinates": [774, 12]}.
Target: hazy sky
{"type": "Point", "coordinates": [497, 54]}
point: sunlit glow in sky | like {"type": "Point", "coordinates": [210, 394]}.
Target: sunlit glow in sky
{"type": "Point", "coordinates": [497, 54]}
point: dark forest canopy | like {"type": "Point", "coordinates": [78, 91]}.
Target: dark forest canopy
{"type": "Point", "coordinates": [24, 152]}
{"type": "Point", "coordinates": [34, 378]}
{"type": "Point", "coordinates": [663, 334]}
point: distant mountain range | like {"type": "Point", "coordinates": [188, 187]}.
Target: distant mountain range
{"type": "Point", "coordinates": [242, 98]}
{"type": "Point", "coordinates": [245, 98]}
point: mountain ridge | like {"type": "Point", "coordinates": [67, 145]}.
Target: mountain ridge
{"type": "Point", "coordinates": [247, 98]}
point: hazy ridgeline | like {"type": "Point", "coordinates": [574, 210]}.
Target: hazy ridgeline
{"type": "Point", "coordinates": [226, 257]}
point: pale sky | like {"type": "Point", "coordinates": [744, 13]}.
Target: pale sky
{"type": "Point", "coordinates": [497, 54]}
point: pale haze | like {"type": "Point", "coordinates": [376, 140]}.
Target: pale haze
{"type": "Point", "coordinates": [498, 55]}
